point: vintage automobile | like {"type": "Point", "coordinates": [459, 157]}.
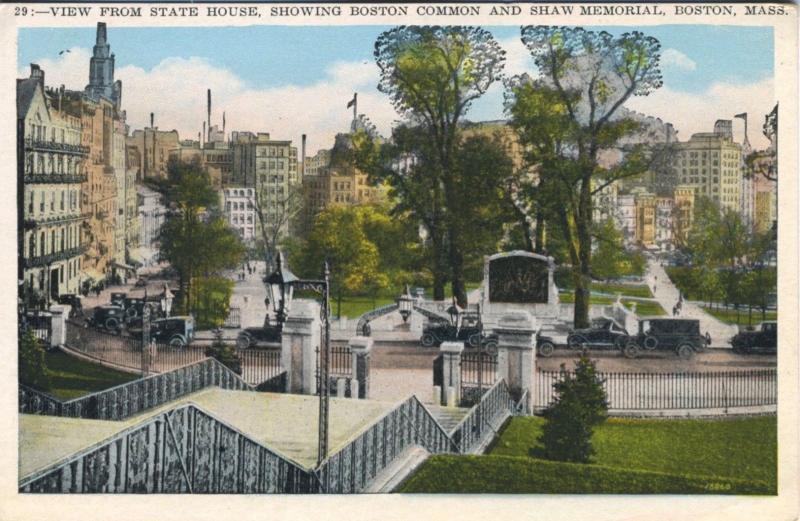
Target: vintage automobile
{"type": "Point", "coordinates": [470, 331]}
{"type": "Point", "coordinates": [764, 339]}
{"type": "Point", "coordinates": [605, 333]}
{"type": "Point", "coordinates": [118, 298]}
{"type": "Point", "coordinates": [176, 331]}
{"type": "Point", "coordinates": [110, 318]}
{"type": "Point", "coordinates": [545, 345]}
{"type": "Point", "coordinates": [74, 303]}
{"type": "Point", "coordinates": [252, 336]}
{"type": "Point", "coordinates": [666, 334]}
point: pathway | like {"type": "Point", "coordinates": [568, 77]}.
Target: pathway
{"type": "Point", "coordinates": [667, 294]}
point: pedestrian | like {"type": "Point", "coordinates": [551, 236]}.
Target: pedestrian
{"type": "Point", "coordinates": [708, 339]}
{"type": "Point", "coordinates": [674, 310]}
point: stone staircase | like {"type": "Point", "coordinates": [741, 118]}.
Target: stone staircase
{"type": "Point", "coordinates": [448, 417]}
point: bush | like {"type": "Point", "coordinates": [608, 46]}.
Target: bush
{"type": "Point", "coordinates": [32, 365]}
{"type": "Point", "coordinates": [579, 406]}
{"type": "Point", "coordinates": [224, 354]}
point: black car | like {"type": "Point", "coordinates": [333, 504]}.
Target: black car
{"type": "Point", "coordinates": [175, 331]}
{"type": "Point", "coordinates": [74, 303]}
{"type": "Point", "coordinates": [763, 340]}
{"type": "Point", "coordinates": [605, 333]}
{"type": "Point", "coordinates": [471, 331]}
{"type": "Point", "coordinates": [118, 298]}
{"type": "Point", "coordinates": [252, 336]}
{"type": "Point", "coordinates": [667, 334]}
{"type": "Point", "coordinates": [545, 346]}
{"type": "Point", "coordinates": [110, 318]}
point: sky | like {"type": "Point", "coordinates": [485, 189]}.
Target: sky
{"type": "Point", "coordinates": [293, 80]}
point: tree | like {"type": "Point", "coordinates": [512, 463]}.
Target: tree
{"type": "Point", "coordinates": [32, 365]}
{"type": "Point", "coordinates": [611, 260]}
{"type": "Point", "coordinates": [275, 212]}
{"type": "Point", "coordinates": [579, 136]}
{"type": "Point", "coordinates": [432, 75]}
{"type": "Point", "coordinates": [195, 239]}
{"type": "Point", "coordinates": [224, 353]}
{"type": "Point", "coordinates": [580, 404]}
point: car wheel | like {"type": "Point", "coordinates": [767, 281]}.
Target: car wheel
{"type": "Point", "coordinates": [111, 323]}
{"type": "Point", "coordinates": [427, 340]}
{"type": "Point", "coordinates": [490, 346]}
{"type": "Point", "coordinates": [685, 351]}
{"type": "Point", "coordinates": [575, 342]}
{"type": "Point", "coordinates": [243, 341]}
{"type": "Point", "coordinates": [650, 343]}
{"type": "Point", "coordinates": [177, 342]}
{"type": "Point", "coordinates": [631, 350]}
{"type": "Point", "coordinates": [474, 340]}
{"type": "Point", "coordinates": [131, 313]}
{"type": "Point", "coordinates": [619, 342]}
{"type": "Point", "coordinates": [546, 349]}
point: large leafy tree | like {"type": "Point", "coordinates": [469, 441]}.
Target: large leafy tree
{"type": "Point", "coordinates": [432, 76]}
{"type": "Point", "coordinates": [195, 239]}
{"type": "Point", "coordinates": [579, 136]}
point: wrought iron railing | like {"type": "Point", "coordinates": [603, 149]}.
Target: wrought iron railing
{"type": "Point", "coordinates": [690, 390]}
{"type": "Point", "coordinates": [54, 178]}
{"type": "Point", "coordinates": [128, 399]}
{"type": "Point", "coordinates": [482, 419]}
{"type": "Point", "coordinates": [44, 260]}
{"type": "Point", "coordinates": [194, 453]}
{"type": "Point", "coordinates": [260, 365]}
{"type": "Point", "coordinates": [52, 146]}
{"type": "Point", "coordinates": [354, 466]}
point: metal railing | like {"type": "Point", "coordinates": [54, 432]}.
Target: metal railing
{"type": "Point", "coordinates": [473, 429]}
{"type": "Point", "coordinates": [194, 453]}
{"type": "Point", "coordinates": [474, 364]}
{"type": "Point", "coordinates": [128, 399]}
{"type": "Point", "coordinates": [260, 365]}
{"type": "Point", "coordinates": [341, 361]}
{"type": "Point", "coordinates": [691, 390]}
{"type": "Point", "coordinates": [234, 319]}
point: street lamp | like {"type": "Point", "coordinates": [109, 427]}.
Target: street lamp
{"type": "Point", "coordinates": [405, 303]}
{"type": "Point", "coordinates": [166, 300]}
{"type": "Point", "coordinates": [280, 290]}
{"type": "Point", "coordinates": [454, 311]}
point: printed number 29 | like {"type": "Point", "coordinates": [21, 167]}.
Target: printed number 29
{"type": "Point", "coordinates": [20, 11]}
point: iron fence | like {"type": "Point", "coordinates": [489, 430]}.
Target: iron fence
{"type": "Point", "coordinates": [260, 365]}
{"type": "Point", "coordinates": [475, 365]}
{"type": "Point", "coordinates": [691, 390]}
{"type": "Point", "coordinates": [126, 351]}
{"type": "Point", "coordinates": [234, 319]}
{"type": "Point", "coordinates": [494, 406]}
{"type": "Point", "coordinates": [341, 361]}
{"type": "Point", "coordinates": [41, 326]}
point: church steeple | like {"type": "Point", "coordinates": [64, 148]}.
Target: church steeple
{"type": "Point", "coordinates": [101, 69]}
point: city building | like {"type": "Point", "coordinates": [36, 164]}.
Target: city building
{"type": "Point", "coordinates": [683, 213]}
{"type": "Point", "coordinates": [53, 170]}
{"type": "Point", "coordinates": [664, 228]}
{"type": "Point", "coordinates": [625, 217]}
{"type": "Point", "coordinates": [154, 147]}
{"type": "Point", "coordinates": [152, 214]}
{"type": "Point", "coordinates": [645, 232]}
{"type": "Point", "coordinates": [237, 204]}
{"type": "Point", "coordinates": [711, 164]}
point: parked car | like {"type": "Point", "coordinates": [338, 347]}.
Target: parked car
{"type": "Point", "coordinates": [110, 318]}
{"type": "Point", "coordinates": [764, 339]}
{"type": "Point", "coordinates": [175, 331]}
{"type": "Point", "coordinates": [545, 345]}
{"type": "Point", "coordinates": [665, 334]}
{"type": "Point", "coordinates": [74, 303]}
{"type": "Point", "coordinates": [605, 333]}
{"type": "Point", "coordinates": [437, 331]}
{"type": "Point", "coordinates": [252, 336]}
{"type": "Point", "coordinates": [118, 298]}
{"type": "Point", "coordinates": [140, 282]}
{"type": "Point", "coordinates": [134, 307]}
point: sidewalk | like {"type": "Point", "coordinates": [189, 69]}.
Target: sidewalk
{"type": "Point", "coordinates": [667, 295]}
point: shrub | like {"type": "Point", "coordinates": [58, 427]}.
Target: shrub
{"type": "Point", "coordinates": [32, 365]}
{"type": "Point", "coordinates": [579, 406]}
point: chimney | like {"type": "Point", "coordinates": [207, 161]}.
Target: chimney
{"type": "Point", "coordinates": [303, 156]}
{"type": "Point", "coordinates": [152, 117]}
{"type": "Point", "coordinates": [204, 133]}
{"type": "Point", "coordinates": [37, 74]}
{"type": "Point", "coordinates": [209, 114]}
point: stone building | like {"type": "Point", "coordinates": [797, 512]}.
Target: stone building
{"type": "Point", "coordinates": [645, 232]}
{"type": "Point", "coordinates": [154, 148]}
{"type": "Point", "coordinates": [711, 164]}
{"type": "Point", "coordinates": [683, 208]}
{"type": "Point", "coordinates": [237, 204]}
{"type": "Point", "coordinates": [152, 214]}
{"type": "Point", "coordinates": [53, 170]}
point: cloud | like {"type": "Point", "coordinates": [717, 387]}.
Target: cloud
{"type": "Point", "coordinates": [691, 113]}
{"type": "Point", "coordinates": [675, 58]}
{"type": "Point", "coordinates": [175, 91]}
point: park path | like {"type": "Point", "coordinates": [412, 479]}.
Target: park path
{"type": "Point", "coordinates": [666, 293]}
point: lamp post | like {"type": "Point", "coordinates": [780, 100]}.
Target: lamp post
{"type": "Point", "coordinates": [280, 288]}
{"type": "Point", "coordinates": [405, 304]}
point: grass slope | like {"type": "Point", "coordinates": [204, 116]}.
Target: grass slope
{"type": "Point", "coordinates": [633, 456]}
{"type": "Point", "coordinates": [71, 377]}
{"type": "Point", "coordinates": [729, 315]}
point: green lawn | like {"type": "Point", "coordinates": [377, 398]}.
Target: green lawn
{"type": "Point", "coordinates": [643, 308]}
{"type": "Point", "coordinates": [354, 307]}
{"type": "Point", "coordinates": [735, 456]}
{"type": "Point", "coordinates": [729, 315]}
{"type": "Point", "coordinates": [71, 377]}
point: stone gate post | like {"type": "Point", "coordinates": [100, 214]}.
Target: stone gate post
{"type": "Point", "coordinates": [58, 326]}
{"type": "Point", "coordinates": [516, 350]}
{"type": "Point", "coordinates": [360, 347]}
{"type": "Point", "coordinates": [451, 356]}
{"type": "Point", "coordinates": [300, 340]}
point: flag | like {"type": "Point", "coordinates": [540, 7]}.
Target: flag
{"type": "Point", "coordinates": [352, 101]}
{"type": "Point", "coordinates": [743, 115]}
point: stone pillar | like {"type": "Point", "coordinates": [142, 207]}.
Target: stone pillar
{"type": "Point", "coordinates": [341, 387]}
{"type": "Point", "coordinates": [354, 389]}
{"type": "Point", "coordinates": [516, 353]}
{"type": "Point", "coordinates": [58, 326]}
{"type": "Point", "coordinates": [360, 347]}
{"type": "Point", "coordinates": [301, 338]}
{"type": "Point", "coordinates": [451, 358]}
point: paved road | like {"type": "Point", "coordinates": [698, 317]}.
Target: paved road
{"type": "Point", "coordinates": [667, 294]}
